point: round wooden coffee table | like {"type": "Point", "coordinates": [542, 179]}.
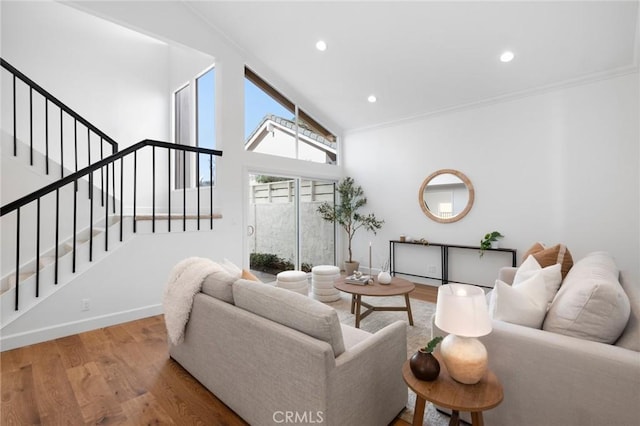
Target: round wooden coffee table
{"type": "Point", "coordinates": [446, 392]}
{"type": "Point", "coordinates": [398, 287]}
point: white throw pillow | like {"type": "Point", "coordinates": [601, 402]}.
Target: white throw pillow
{"type": "Point", "coordinates": [525, 304]}
{"type": "Point", "coordinates": [552, 276]}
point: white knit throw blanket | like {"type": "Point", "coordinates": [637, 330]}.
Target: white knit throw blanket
{"type": "Point", "coordinates": [185, 280]}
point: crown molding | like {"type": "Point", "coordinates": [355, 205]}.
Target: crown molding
{"type": "Point", "coordinates": [580, 81]}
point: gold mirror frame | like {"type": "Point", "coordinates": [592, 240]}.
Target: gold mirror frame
{"type": "Point", "coordinates": [463, 213]}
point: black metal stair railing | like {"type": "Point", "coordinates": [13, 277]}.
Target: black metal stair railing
{"type": "Point", "coordinates": [64, 112]}
{"type": "Point", "coordinates": [134, 175]}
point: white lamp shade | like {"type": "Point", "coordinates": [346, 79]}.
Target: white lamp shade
{"type": "Point", "coordinates": [462, 310]}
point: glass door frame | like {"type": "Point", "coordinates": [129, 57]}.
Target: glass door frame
{"type": "Point", "coordinates": [297, 213]}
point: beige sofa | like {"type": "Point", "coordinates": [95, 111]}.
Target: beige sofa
{"type": "Point", "coordinates": [275, 356]}
{"type": "Point", "coordinates": [554, 379]}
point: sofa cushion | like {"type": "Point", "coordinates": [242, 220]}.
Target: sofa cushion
{"type": "Point", "coordinates": [591, 303]}
{"type": "Point", "coordinates": [524, 304]}
{"type": "Point", "coordinates": [292, 310]}
{"type": "Point", "coordinates": [352, 336]}
{"type": "Point", "coordinates": [556, 254]}
{"type": "Point", "coordinates": [533, 249]}
{"type": "Point", "coordinates": [551, 274]}
{"type": "Point", "coordinates": [218, 283]}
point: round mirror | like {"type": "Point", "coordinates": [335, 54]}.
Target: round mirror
{"type": "Point", "coordinates": [446, 196]}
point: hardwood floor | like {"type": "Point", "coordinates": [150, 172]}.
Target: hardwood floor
{"type": "Point", "coordinates": [114, 375]}
{"type": "Point", "coordinates": [425, 292]}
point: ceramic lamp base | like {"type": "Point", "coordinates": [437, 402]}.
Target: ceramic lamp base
{"type": "Point", "coordinates": [465, 358]}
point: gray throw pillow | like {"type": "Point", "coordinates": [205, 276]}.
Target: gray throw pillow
{"type": "Point", "coordinates": [291, 309]}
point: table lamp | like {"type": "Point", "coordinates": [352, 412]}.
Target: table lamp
{"type": "Point", "coordinates": [462, 312]}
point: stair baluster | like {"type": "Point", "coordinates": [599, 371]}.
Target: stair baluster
{"type": "Point", "coordinates": [81, 172]}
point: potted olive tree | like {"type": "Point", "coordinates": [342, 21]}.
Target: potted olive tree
{"type": "Point", "coordinates": [346, 214]}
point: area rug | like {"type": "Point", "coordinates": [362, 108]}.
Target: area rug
{"type": "Point", "coordinates": [417, 336]}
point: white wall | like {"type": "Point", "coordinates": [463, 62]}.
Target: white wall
{"type": "Point", "coordinates": [561, 166]}
{"type": "Point", "coordinates": [173, 21]}
{"type": "Point", "coordinates": [114, 77]}
{"type": "Point", "coordinates": [121, 287]}
{"type": "Point", "coordinates": [118, 79]}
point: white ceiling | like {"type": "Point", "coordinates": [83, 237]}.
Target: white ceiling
{"type": "Point", "coordinates": [422, 57]}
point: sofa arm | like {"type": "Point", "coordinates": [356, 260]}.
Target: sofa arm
{"type": "Point", "coordinates": [367, 381]}
{"type": "Point", "coordinates": [507, 274]}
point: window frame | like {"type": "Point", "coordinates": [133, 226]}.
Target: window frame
{"type": "Point", "coordinates": [197, 126]}
{"type": "Point", "coordinates": [299, 114]}
{"type": "Point", "coordinates": [194, 138]}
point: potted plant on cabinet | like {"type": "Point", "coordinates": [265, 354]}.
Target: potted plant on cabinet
{"type": "Point", "coordinates": [489, 241]}
{"type": "Point", "coordinates": [346, 214]}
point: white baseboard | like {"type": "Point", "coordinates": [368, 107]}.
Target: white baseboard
{"type": "Point", "coordinates": [62, 330]}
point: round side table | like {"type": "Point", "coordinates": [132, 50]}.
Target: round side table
{"type": "Point", "coordinates": [446, 392]}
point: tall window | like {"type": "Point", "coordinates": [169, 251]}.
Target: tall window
{"type": "Point", "coordinates": [275, 125]}
{"type": "Point", "coordinates": [205, 123]}
{"type": "Point", "coordinates": [199, 96]}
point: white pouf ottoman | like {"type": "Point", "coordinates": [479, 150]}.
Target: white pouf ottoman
{"type": "Point", "coordinates": [322, 279]}
{"type": "Point", "coordinates": [293, 280]}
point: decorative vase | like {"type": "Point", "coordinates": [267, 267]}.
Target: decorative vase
{"type": "Point", "coordinates": [495, 244]}
{"type": "Point", "coordinates": [384, 277]}
{"type": "Point", "coordinates": [424, 365]}
{"type": "Point", "coordinates": [349, 267]}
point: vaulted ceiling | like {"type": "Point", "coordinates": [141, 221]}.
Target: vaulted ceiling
{"type": "Point", "coordinates": [425, 57]}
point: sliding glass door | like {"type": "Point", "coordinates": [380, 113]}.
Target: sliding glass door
{"type": "Point", "coordinates": [285, 230]}
{"type": "Point", "coordinates": [317, 236]}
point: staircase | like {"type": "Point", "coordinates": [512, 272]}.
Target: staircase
{"type": "Point", "coordinates": [94, 206]}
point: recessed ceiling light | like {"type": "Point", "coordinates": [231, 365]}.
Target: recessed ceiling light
{"type": "Point", "coordinates": [321, 45]}
{"type": "Point", "coordinates": [507, 56]}
{"type": "Point", "coordinates": [372, 98]}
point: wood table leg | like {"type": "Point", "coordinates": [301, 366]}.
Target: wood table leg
{"type": "Point", "coordinates": [455, 418]}
{"type": "Point", "coordinates": [418, 411]}
{"type": "Point", "coordinates": [358, 305]}
{"type": "Point", "coordinates": [476, 418]}
{"type": "Point", "coordinates": [353, 303]}
{"type": "Point", "coordinates": [408, 304]}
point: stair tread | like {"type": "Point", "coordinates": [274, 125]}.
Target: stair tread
{"type": "Point", "coordinates": [10, 281]}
